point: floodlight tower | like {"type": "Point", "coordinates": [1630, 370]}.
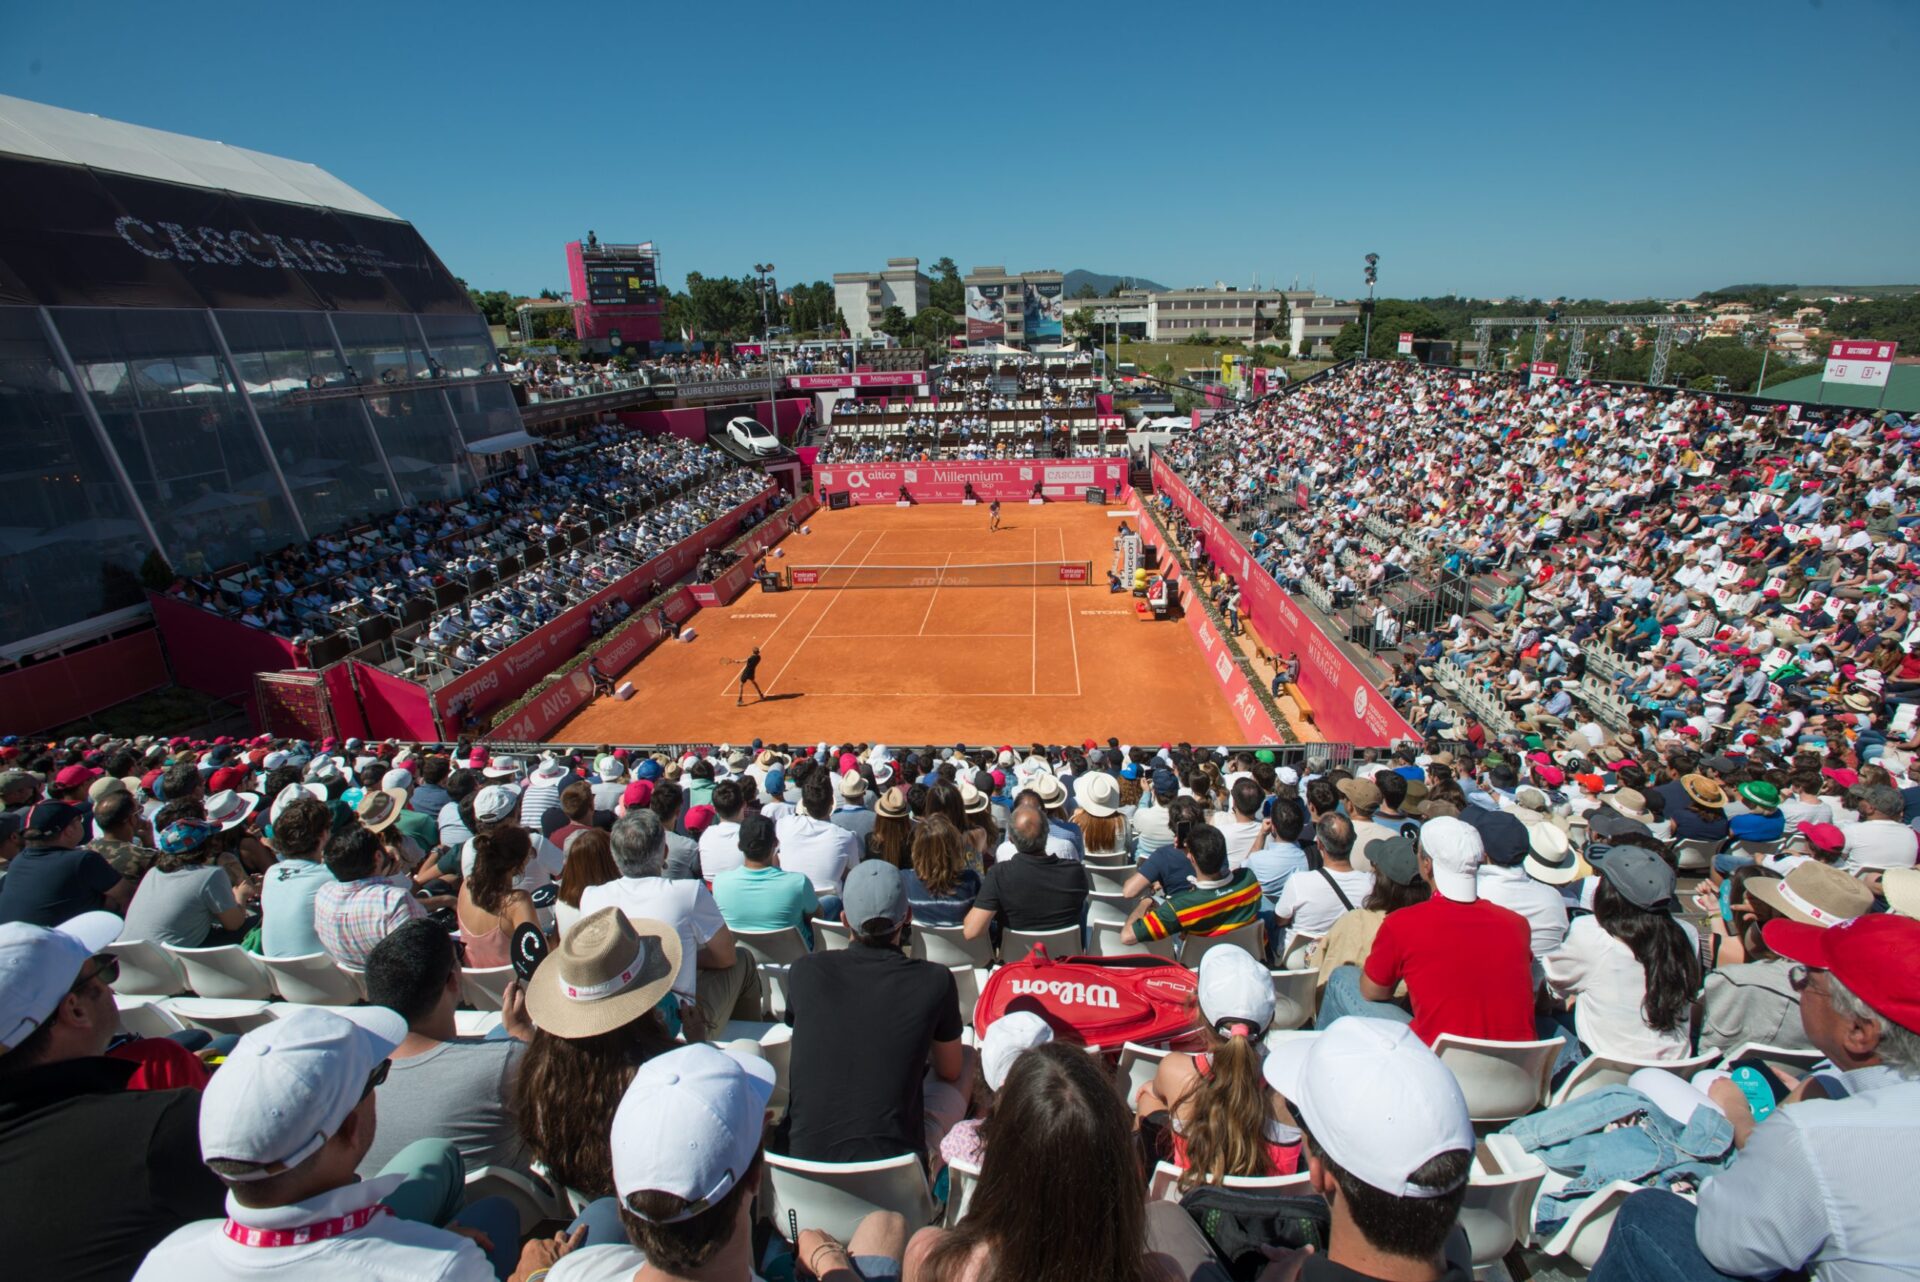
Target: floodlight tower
{"type": "Point", "coordinates": [1373, 276]}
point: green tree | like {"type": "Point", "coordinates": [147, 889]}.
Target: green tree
{"type": "Point", "coordinates": [1086, 290]}
{"type": "Point", "coordinates": [1081, 323]}
{"type": "Point", "coordinates": [933, 327]}
{"type": "Point", "coordinates": [494, 304]}
{"type": "Point", "coordinates": [894, 323]}
{"type": "Point", "coordinates": [1391, 318]}
{"type": "Point", "coordinates": [947, 292]}
{"type": "Point", "coordinates": [678, 317]}
{"type": "Point", "coordinates": [723, 307]}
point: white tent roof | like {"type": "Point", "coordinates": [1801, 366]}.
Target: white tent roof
{"type": "Point", "coordinates": [53, 133]}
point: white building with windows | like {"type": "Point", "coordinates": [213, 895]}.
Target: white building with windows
{"type": "Point", "coordinates": [863, 297]}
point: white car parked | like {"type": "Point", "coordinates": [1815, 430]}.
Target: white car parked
{"type": "Point", "coordinates": [752, 435]}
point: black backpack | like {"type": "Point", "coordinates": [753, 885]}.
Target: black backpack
{"type": "Point", "coordinates": [1238, 1222]}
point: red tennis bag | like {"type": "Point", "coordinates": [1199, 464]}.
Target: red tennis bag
{"type": "Point", "coordinates": [1096, 1001]}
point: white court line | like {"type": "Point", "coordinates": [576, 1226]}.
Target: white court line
{"type": "Point", "coordinates": [931, 598]}
{"type": "Point", "coordinates": [848, 547]}
{"type": "Point", "coordinates": [1066, 592]}
{"type": "Point", "coordinates": [931, 636]}
{"type": "Point", "coordinates": [823, 614]}
{"type": "Point", "coordinates": [1033, 622]}
{"type": "Point", "coordinates": [932, 694]}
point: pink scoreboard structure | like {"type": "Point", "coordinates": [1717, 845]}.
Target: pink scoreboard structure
{"type": "Point", "coordinates": [618, 303]}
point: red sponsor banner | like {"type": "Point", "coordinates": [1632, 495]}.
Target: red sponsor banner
{"type": "Point", "coordinates": [517, 669]}
{"type": "Point", "coordinates": [55, 691]}
{"type": "Point", "coordinates": [946, 482]}
{"type": "Point", "coordinates": [823, 382]}
{"type": "Point", "coordinates": [1073, 573]}
{"type": "Point", "coordinates": [805, 578]}
{"type": "Point", "coordinates": [536, 721]}
{"type": "Point", "coordinates": [214, 654]}
{"type": "Point", "coordinates": [1861, 350]}
{"type": "Point", "coordinates": [1346, 706]}
{"type": "Point", "coordinates": [1255, 724]}
{"type": "Point", "coordinates": [396, 708]}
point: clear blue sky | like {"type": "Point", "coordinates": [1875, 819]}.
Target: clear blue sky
{"type": "Point", "coordinates": [1556, 147]}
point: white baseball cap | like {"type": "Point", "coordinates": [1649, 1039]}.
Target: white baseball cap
{"type": "Point", "coordinates": [292, 791]}
{"type": "Point", "coordinates": [1233, 987]}
{"type": "Point", "coordinates": [609, 767]}
{"type": "Point", "coordinates": [290, 1085]}
{"type": "Point", "coordinates": [1390, 1108]}
{"type": "Point", "coordinates": [1013, 1032]}
{"type": "Point", "coordinates": [38, 967]}
{"type": "Point", "coordinates": [690, 1125]}
{"type": "Point", "coordinates": [1457, 852]}
{"type": "Point", "coordinates": [494, 803]}
{"type": "Point", "coordinates": [397, 778]}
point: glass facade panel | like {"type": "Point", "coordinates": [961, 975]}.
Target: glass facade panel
{"type": "Point", "coordinates": [382, 347]}
{"type": "Point", "coordinates": [177, 422]}
{"type": "Point", "coordinates": [422, 443]}
{"type": "Point", "coordinates": [461, 344]}
{"type": "Point", "coordinates": [70, 540]}
{"type": "Point", "coordinates": [323, 446]}
{"type": "Point", "coordinates": [484, 410]}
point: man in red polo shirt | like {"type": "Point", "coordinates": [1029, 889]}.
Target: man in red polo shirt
{"type": "Point", "coordinates": [1467, 963]}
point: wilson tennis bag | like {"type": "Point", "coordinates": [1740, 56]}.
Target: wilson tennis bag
{"type": "Point", "coordinates": [1096, 1001]}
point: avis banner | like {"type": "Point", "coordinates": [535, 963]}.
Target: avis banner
{"type": "Point", "coordinates": [947, 482]}
{"type": "Point", "coordinates": [1346, 706]}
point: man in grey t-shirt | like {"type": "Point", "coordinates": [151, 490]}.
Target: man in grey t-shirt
{"type": "Point", "coordinates": [440, 1086]}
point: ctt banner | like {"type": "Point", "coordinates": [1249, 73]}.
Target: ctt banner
{"type": "Point", "coordinates": [1346, 706]}
{"type": "Point", "coordinates": [986, 313]}
{"type": "Point", "coordinates": [1045, 317]}
{"type": "Point", "coordinates": [947, 482]}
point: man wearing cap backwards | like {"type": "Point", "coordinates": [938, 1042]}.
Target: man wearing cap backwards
{"type": "Point", "coordinates": [283, 1124]}
{"type": "Point", "coordinates": [877, 1066]}
{"type": "Point", "coordinates": [1390, 1147]}
{"type": "Point", "coordinates": [54, 878]}
{"type": "Point", "coordinates": [94, 1173]}
{"type": "Point", "coordinates": [1817, 1185]}
{"type": "Point", "coordinates": [687, 1161]}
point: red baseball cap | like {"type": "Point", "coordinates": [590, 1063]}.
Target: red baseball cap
{"type": "Point", "coordinates": [1823, 836]}
{"type": "Point", "coordinates": [228, 777]}
{"type": "Point", "coordinates": [1875, 956]}
{"type": "Point", "coordinates": [76, 777]}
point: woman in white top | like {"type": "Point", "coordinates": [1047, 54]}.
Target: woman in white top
{"type": "Point", "coordinates": [1631, 971]}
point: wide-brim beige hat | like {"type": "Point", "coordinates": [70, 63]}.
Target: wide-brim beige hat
{"type": "Point", "coordinates": [1049, 789]}
{"type": "Point", "coordinates": [608, 971]}
{"type": "Point", "coordinates": [1902, 889]}
{"type": "Point", "coordinates": [1097, 794]}
{"type": "Point", "coordinates": [1815, 894]}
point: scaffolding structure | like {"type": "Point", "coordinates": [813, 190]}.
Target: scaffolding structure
{"type": "Point", "coordinates": [1665, 327]}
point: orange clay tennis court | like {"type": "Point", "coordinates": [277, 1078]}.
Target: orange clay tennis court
{"type": "Point", "coordinates": [927, 665]}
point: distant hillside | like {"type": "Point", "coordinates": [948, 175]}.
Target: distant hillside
{"type": "Point", "coordinates": [1807, 291]}
{"type": "Point", "coordinates": [1102, 283]}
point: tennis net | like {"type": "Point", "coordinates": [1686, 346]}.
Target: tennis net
{"type": "Point", "coordinates": [1010, 574]}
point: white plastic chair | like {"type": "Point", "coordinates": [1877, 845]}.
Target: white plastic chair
{"type": "Point", "coordinates": [949, 946]}
{"type": "Point", "coordinates": [1584, 1236]}
{"type": "Point", "coordinates": [1294, 995]}
{"type": "Point", "coordinates": [146, 1016]}
{"type": "Point", "coordinates": [358, 976]}
{"type": "Point", "coordinates": [1498, 1211]}
{"type": "Point", "coordinates": [314, 980]}
{"type": "Point", "coordinates": [532, 1197]}
{"type": "Point", "coordinates": [1165, 1186]}
{"type": "Point", "coordinates": [829, 935]}
{"type": "Point", "coordinates": [147, 969]}
{"type": "Point", "coordinates": [835, 1196]}
{"type": "Point", "coordinates": [228, 971]}
{"type": "Point", "coordinates": [1016, 944]}
{"type": "Point", "coordinates": [1598, 1071]}
{"type": "Point", "coordinates": [1138, 1064]}
{"type": "Point", "coordinates": [967, 981]}
{"type": "Point", "coordinates": [1108, 907]}
{"type": "Point", "coordinates": [1695, 854]}
{"type": "Point", "coordinates": [960, 1181]}
{"type": "Point", "coordinates": [1250, 937]}
{"type": "Point", "coordinates": [1109, 879]}
{"type": "Point", "coordinates": [475, 1023]}
{"type": "Point", "coordinates": [1798, 1061]}
{"type": "Point", "coordinates": [773, 947]}
{"type": "Point", "coordinates": [1109, 939]}
{"type": "Point", "coordinates": [1299, 948]}
{"type": "Point", "coordinates": [1501, 1080]}
{"type": "Point", "coordinates": [485, 988]}
{"type": "Point", "coordinates": [220, 1014]}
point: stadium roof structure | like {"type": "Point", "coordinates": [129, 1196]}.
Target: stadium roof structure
{"type": "Point", "coordinates": [1903, 391]}
{"type": "Point", "coordinates": [41, 132]}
